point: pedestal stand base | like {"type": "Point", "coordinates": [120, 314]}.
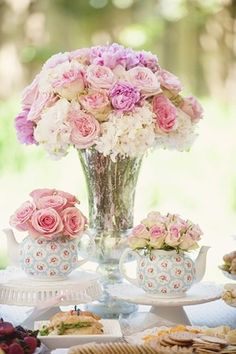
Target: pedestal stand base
{"type": "Point", "coordinates": [110, 308]}
{"type": "Point", "coordinates": [175, 313]}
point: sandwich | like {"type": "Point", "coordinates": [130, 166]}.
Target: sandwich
{"type": "Point", "coordinates": [72, 323]}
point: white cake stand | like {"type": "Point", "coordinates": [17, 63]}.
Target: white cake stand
{"type": "Point", "coordinates": [170, 309]}
{"type": "Point", "coordinates": [46, 296]}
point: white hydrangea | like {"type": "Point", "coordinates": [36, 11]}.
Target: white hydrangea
{"type": "Point", "coordinates": [181, 138]}
{"type": "Point", "coordinates": [53, 131]}
{"type": "Point", "coordinates": [130, 134]}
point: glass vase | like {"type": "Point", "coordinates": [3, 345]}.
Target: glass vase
{"type": "Point", "coordinates": [111, 191]}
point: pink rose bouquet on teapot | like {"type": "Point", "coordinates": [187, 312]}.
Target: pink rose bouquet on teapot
{"type": "Point", "coordinates": [114, 99]}
{"type": "Point", "coordinates": [165, 232]}
{"type": "Point", "coordinates": [50, 213]}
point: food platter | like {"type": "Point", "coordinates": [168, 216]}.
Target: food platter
{"type": "Point", "coordinates": [112, 332]}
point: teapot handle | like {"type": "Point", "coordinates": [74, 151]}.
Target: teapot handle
{"type": "Point", "coordinates": [91, 248]}
{"type": "Point", "coordinates": [122, 268]}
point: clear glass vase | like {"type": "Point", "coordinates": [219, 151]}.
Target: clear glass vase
{"type": "Point", "coordinates": [111, 192]}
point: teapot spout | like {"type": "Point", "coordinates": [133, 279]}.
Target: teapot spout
{"type": "Point", "coordinates": [200, 263]}
{"type": "Point", "coordinates": [13, 247]}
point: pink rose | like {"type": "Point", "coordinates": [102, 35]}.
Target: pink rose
{"type": "Point", "coordinates": [30, 93]}
{"type": "Point", "coordinates": [174, 235]}
{"type": "Point", "coordinates": [43, 100]}
{"type": "Point", "coordinates": [195, 232]}
{"type": "Point", "coordinates": [140, 231]}
{"type": "Point", "coordinates": [187, 243]}
{"type": "Point", "coordinates": [70, 83]}
{"type": "Point", "coordinates": [47, 223]}
{"type": "Point", "coordinates": [166, 113]}
{"type": "Point", "coordinates": [20, 218]}
{"type": "Point", "coordinates": [192, 108]}
{"type": "Point", "coordinates": [54, 201]}
{"type": "Point", "coordinates": [157, 231]}
{"type": "Point", "coordinates": [97, 103]}
{"type": "Point", "coordinates": [46, 192]}
{"type": "Point", "coordinates": [100, 77]}
{"type": "Point", "coordinates": [144, 79]}
{"type": "Point", "coordinates": [169, 81]}
{"type": "Point", "coordinates": [74, 222]}
{"type": "Point", "coordinates": [85, 129]}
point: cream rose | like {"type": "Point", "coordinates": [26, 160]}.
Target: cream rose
{"type": "Point", "coordinates": [100, 77]}
{"type": "Point", "coordinates": [144, 79]}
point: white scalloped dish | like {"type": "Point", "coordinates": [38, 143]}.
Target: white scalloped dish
{"type": "Point", "coordinates": [111, 328]}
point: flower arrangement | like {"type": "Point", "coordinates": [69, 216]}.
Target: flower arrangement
{"type": "Point", "coordinates": [115, 99]}
{"type": "Point", "coordinates": [169, 232]}
{"type": "Point", "coordinates": [51, 213]}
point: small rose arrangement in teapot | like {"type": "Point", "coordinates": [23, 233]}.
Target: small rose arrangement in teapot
{"type": "Point", "coordinates": [54, 224]}
{"type": "Point", "coordinates": [160, 244]}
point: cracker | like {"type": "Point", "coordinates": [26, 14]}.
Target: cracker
{"type": "Point", "coordinates": [222, 342]}
{"type": "Point", "coordinates": [183, 337]}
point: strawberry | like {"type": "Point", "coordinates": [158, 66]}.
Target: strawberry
{"type": "Point", "coordinates": [32, 343]}
{"type": "Point", "coordinates": [15, 348]}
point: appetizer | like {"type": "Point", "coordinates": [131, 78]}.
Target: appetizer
{"type": "Point", "coordinates": [187, 339]}
{"type": "Point", "coordinates": [72, 323]}
{"type": "Point", "coordinates": [229, 263]}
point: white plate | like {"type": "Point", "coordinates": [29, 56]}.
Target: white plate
{"type": "Point", "coordinates": [111, 328]}
{"type": "Point", "coordinates": [229, 275]}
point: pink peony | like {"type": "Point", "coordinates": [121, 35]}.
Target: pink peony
{"type": "Point", "coordinates": [74, 222]}
{"type": "Point", "coordinates": [148, 60]}
{"type": "Point", "coordinates": [100, 77]}
{"type": "Point", "coordinates": [21, 217]}
{"type": "Point", "coordinates": [70, 83]}
{"type": "Point", "coordinates": [192, 108]}
{"type": "Point", "coordinates": [166, 113]}
{"type": "Point", "coordinates": [54, 201]}
{"type": "Point", "coordinates": [169, 81]}
{"type": "Point", "coordinates": [144, 79]}
{"type": "Point", "coordinates": [30, 93]}
{"type": "Point", "coordinates": [46, 192]}
{"type": "Point", "coordinates": [97, 103]}
{"type": "Point", "coordinates": [43, 100]}
{"type": "Point", "coordinates": [124, 96]}
{"type": "Point", "coordinates": [47, 223]}
{"type": "Point", "coordinates": [85, 129]}
{"type": "Point", "coordinates": [25, 128]}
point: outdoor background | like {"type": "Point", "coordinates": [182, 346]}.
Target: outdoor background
{"type": "Point", "coordinates": [194, 39]}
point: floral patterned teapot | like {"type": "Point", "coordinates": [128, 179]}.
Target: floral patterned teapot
{"type": "Point", "coordinates": [45, 259]}
{"type": "Point", "coordinates": [166, 273]}
{"type": "Point", "coordinates": [160, 245]}
{"type": "Point", "coordinates": [54, 225]}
